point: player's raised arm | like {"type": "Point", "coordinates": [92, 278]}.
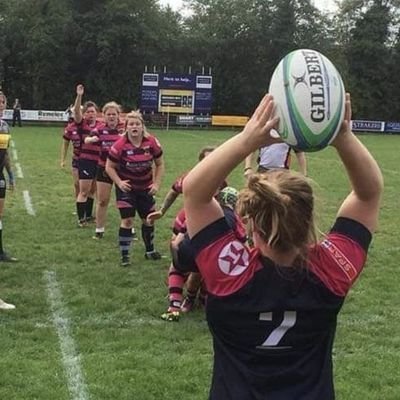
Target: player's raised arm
{"type": "Point", "coordinates": [77, 109]}
{"type": "Point", "coordinates": [204, 179]}
{"type": "Point", "coordinates": [362, 204]}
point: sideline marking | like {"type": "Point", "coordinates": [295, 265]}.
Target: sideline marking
{"type": "Point", "coordinates": [70, 357]}
{"type": "Point", "coordinates": [28, 203]}
{"type": "Point", "coordinates": [19, 170]}
{"type": "Point", "coordinates": [14, 154]}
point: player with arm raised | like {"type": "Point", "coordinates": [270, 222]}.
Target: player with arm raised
{"type": "Point", "coordinates": [272, 309]}
{"type": "Point", "coordinates": [86, 119]}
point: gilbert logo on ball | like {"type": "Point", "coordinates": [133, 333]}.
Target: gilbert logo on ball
{"type": "Point", "coordinates": [310, 99]}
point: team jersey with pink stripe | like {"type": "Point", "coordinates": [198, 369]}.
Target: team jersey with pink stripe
{"type": "Point", "coordinates": [72, 135]}
{"type": "Point", "coordinates": [89, 151]}
{"type": "Point", "coordinates": [273, 326]}
{"type": "Point", "coordinates": [107, 137]}
{"type": "Point", "coordinates": [136, 163]}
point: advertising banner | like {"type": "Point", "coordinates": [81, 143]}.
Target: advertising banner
{"type": "Point", "coordinates": [229, 120]}
{"type": "Point", "coordinates": [193, 120]}
{"type": "Point", "coordinates": [38, 115]}
{"type": "Point", "coordinates": [367, 126]}
{"type": "Point", "coordinates": [392, 127]}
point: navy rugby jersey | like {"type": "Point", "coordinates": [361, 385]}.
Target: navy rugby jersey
{"type": "Point", "coordinates": [273, 326]}
{"type": "Point", "coordinates": [136, 163]}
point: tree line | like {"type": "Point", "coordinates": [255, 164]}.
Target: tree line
{"type": "Point", "coordinates": [47, 47]}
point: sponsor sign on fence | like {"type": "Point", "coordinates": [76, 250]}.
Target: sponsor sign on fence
{"type": "Point", "coordinates": [38, 115]}
{"type": "Point", "coordinates": [367, 126]}
{"type": "Point", "coordinates": [229, 120]}
{"type": "Point", "coordinates": [193, 120]}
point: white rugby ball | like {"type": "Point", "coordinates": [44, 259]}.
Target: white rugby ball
{"type": "Point", "coordinates": [310, 99]}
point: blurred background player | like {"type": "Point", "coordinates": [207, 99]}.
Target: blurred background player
{"type": "Point", "coordinates": [106, 136]}
{"type": "Point", "coordinates": [86, 119]}
{"type": "Point", "coordinates": [176, 279]}
{"type": "Point", "coordinates": [135, 164]}
{"type": "Point", "coordinates": [4, 143]}
{"type": "Point", "coordinates": [16, 113]}
{"type": "Point", "coordinates": [275, 156]}
{"type": "Point", "coordinates": [72, 135]}
{"type": "Point", "coordinates": [183, 260]}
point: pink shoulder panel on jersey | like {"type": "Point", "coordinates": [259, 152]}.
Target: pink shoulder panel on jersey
{"type": "Point", "coordinates": [227, 264]}
{"type": "Point", "coordinates": [337, 261]}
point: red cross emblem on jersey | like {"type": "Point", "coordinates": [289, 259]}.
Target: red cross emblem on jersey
{"type": "Point", "coordinates": [233, 259]}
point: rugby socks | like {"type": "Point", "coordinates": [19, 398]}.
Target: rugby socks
{"type": "Point", "coordinates": [176, 281]}
{"type": "Point", "coordinates": [148, 237]}
{"type": "Point", "coordinates": [99, 233]}
{"type": "Point", "coordinates": [125, 240]}
{"type": "Point", "coordinates": [89, 208]}
{"type": "Point", "coordinates": [80, 211]}
{"type": "Point", "coordinates": [191, 295]}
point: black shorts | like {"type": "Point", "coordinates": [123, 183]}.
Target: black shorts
{"type": "Point", "coordinates": [87, 169]}
{"type": "Point", "coordinates": [102, 176]}
{"type": "Point", "coordinates": [75, 163]}
{"type": "Point", "coordinates": [3, 186]}
{"type": "Point", "coordinates": [183, 256]}
{"type": "Point", "coordinates": [129, 203]}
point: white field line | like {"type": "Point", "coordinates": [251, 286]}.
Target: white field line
{"type": "Point", "coordinates": [28, 203]}
{"type": "Point", "coordinates": [12, 144]}
{"type": "Point", "coordinates": [14, 154]}
{"type": "Point", "coordinates": [70, 357]}
{"type": "Point", "coordinates": [19, 170]}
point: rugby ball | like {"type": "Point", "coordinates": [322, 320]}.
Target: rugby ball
{"type": "Point", "coordinates": [310, 98]}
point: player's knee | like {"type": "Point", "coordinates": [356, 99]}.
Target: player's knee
{"type": "Point", "coordinates": [103, 202]}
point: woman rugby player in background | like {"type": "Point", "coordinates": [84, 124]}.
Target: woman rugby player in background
{"type": "Point", "coordinates": [4, 143]}
{"type": "Point", "coordinates": [106, 136]}
{"type": "Point", "coordinates": [86, 119]}
{"type": "Point", "coordinates": [130, 165]}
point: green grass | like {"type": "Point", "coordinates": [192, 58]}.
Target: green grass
{"type": "Point", "coordinates": [126, 351]}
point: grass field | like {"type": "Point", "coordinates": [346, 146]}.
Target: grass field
{"type": "Point", "coordinates": [85, 328]}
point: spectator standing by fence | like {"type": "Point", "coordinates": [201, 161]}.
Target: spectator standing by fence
{"type": "Point", "coordinates": [16, 113]}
